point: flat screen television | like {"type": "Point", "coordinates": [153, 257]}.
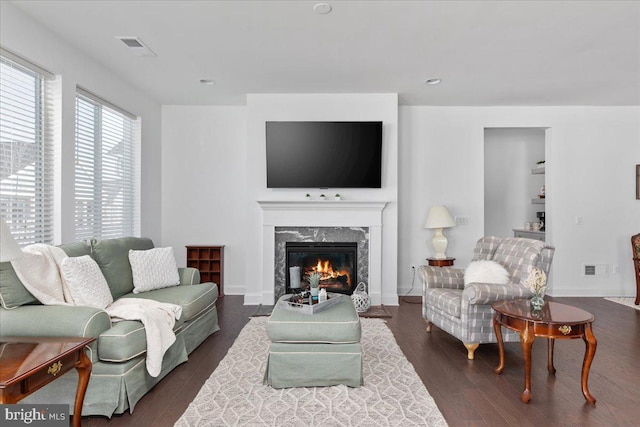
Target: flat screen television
{"type": "Point", "coordinates": [324, 154]}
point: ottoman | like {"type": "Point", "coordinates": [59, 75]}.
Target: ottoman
{"type": "Point", "coordinates": [314, 350]}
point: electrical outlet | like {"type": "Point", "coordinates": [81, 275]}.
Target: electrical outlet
{"type": "Point", "coordinates": [578, 220]}
{"type": "Point", "coordinates": [615, 269]}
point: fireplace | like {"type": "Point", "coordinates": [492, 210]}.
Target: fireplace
{"type": "Point", "coordinates": [335, 261]}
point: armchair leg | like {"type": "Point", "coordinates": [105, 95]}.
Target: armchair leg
{"type": "Point", "coordinates": [428, 326]}
{"type": "Point", "coordinates": [471, 348]}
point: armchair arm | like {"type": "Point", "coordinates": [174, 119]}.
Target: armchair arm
{"type": "Point", "coordinates": [487, 293]}
{"type": "Point", "coordinates": [53, 321]}
{"type": "Point", "coordinates": [189, 275]}
{"type": "Point", "coordinates": [441, 277]}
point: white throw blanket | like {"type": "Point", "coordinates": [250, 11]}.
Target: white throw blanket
{"type": "Point", "coordinates": [158, 319]}
{"type": "Point", "coordinates": [39, 272]}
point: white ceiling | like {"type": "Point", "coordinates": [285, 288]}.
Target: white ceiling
{"type": "Point", "coordinates": [485, 52]}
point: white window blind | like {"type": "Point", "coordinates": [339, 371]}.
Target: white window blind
{"type": "Point", "coordinates": [105, 193]}
{"type": "Point", "coordinates": [26, 150]}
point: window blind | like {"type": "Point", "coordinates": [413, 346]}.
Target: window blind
{"type": "Point", "coordinates": [26, 151]}
{"type": "Point", "coordinates": [105, 193]}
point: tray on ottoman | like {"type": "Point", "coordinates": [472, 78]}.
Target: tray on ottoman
{"type": "Point", "coordinates": [332, 300]}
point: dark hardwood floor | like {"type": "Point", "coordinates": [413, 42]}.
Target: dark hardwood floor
{"type": "Point", "coordinates": [468, 393]}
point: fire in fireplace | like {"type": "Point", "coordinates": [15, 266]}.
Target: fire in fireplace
{"type": "Point", "coordinates": [335, 261]}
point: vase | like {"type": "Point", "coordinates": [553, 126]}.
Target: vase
{"type": "Point", "coordinates": [537, 302]}
{"type": "Point", "coordinates": [314, 291]}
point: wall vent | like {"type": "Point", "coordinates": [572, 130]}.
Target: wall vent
{"type": "Point", "coordinates": [594, 270]}
{"type": "Point", "coordinates": [136, 46]}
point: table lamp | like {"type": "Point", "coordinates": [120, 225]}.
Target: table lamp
{"type": "Point", "coordinates": [439, 218]}
{"type": "Point", "coordinates": [9, 249]}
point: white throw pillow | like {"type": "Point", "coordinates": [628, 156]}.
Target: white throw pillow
{"type": "Point", "coordinates": [153, 269]}
{"type": "Point", "coordinates": [485, 271]}
{"type": "Point", "coordinates": [85, 281]}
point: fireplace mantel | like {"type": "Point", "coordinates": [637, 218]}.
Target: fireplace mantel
{"type": "Point", "coordinates": [313, 205]}
{"type": "Point", "coordinates": [322, 213]}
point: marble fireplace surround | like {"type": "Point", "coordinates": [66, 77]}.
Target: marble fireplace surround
{"type": "Point", "coordinates": [328, 213]}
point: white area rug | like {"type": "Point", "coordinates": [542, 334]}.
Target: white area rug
{"type": "Point", "coordinates": [392, 395]}
{"type": "Point", "coordinates": [625, 301]}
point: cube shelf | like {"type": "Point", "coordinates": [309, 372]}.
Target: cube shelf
{"type": "Point", "coordinates": [209, 260]}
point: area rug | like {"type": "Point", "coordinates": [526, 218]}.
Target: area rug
{"type": "Point", "coordinates": [392, 395]}
{"type": "Point", "coordinates": [625, 301]}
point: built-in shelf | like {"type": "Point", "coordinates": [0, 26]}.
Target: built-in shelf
{"type": "Point", "coordinates": [537, 201]}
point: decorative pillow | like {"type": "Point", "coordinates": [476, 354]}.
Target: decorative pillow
{"type": "Point", "coordinates": [486, 271]}
{"type": "Point", "coordinates": [153, 269]}
{"type": "Point", "coordinates": [85, 281]}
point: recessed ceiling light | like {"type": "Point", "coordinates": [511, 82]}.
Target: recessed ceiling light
{"type": "Point", "coordinates": [207, 82]}
{"type": "Point", "coordinates": [432, 81]}
{"type": "Point", "coordinates": [322, 8]}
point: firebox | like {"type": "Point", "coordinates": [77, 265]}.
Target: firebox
{"type": "Point", "coordinates": [335, 261]}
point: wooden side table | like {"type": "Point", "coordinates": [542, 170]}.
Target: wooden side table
{"type": "Point", "coordinates": [554, 321]}
{"type": "Point", "coordinates": [29, 363]}
{"type": "Point", "coordinates": [441, 262]}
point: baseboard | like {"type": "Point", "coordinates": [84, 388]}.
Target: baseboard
{"type": "Point", "coordinates": [234, 290]}
{"type": "Point", "coordinates": [598, 293]}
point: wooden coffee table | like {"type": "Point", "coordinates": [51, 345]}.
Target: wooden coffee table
{"type": "Point", "coordinates": [554, 321]}
{"type": "Point", "coordinates": [29, 363]}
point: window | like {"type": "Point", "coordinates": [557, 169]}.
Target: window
{"type": "Point", "coordinates": [26, 150]}
{"type": "Point", "coordinates": [105, 194]}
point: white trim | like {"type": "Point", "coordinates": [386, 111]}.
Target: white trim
{"type": "Point", "coordinates": [84, 331]}
{"type": "Point", "coordinates": [125, 335]}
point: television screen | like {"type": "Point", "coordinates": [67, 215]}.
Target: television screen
{"type": "Point", "coordinates": [324, 154]}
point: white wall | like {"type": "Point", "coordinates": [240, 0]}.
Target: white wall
{"type": "Point", "coordinates": [590, 155]}
{"type": "Point", "coordinates": [321, 107]}
{"type": "Point", "coordinates": [509, 186]}
{"type": "Point", "coordinates": [204, 152]}
{"type": "Point", "coordinates": [22, 35]}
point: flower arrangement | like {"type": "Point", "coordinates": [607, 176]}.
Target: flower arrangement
{"type": "Point", "coordinates": [314, 279]}
{"type": "Point", "coordinates": [536, 282]}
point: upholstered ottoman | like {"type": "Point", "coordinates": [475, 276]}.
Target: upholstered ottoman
{"type": "Point", "coordinates": [314, 350]}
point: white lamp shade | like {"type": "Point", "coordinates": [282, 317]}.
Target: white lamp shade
{"type": "Point", "coordinates": [439, 217]}
{"type": "Point", "coordinates": [9, 249]}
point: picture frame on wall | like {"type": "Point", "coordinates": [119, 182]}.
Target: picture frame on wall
{"type": "Point", "coordinates": [637, 182]}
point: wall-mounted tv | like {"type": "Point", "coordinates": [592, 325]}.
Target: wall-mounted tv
{"type": "Point", "coordinates": [324, 154]}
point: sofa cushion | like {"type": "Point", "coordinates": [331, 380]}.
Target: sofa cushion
{"type": "Point", "coordinates": [76, 249]}
{"type": "Point", "coordinates": [124, 341]}
{"type": "Point", "coordinates": [13, 293]}
{"type": "Point", "coordinates": [86, 282]}
{"type": "Point", "coordinates": [193, 299]}
{"type": "Point", "coordinates": [153, 269]}
{"type": "Point", "coordinates": [446, 300]}
{"type": "Point", "coordinates": [112, 256]}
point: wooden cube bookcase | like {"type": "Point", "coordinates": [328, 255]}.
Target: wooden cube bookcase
{"type": "Point", "coordinates": [209, 260]}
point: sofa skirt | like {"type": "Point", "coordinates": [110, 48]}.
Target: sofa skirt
{"type": "Point", "coordinates": [115, 387]}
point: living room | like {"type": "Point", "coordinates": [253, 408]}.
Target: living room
{"type": "Point", "coordinates": [202, 154]}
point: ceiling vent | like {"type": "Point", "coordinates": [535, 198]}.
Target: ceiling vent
{"type": "Point", "coordinates": [136, 46]}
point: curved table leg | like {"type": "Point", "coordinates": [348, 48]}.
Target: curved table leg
{"type": "Point", "coordinates": [590, 351]}
{"type": "Point", "coordinates": [550, 367]}
{"type": "Point", "coordinates": [526, 341]}
{"type": "Point", "coordinates": [84, 372]}
{"type": "Point", "coordinates": [498, 331]}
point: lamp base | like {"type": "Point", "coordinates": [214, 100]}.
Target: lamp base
{"type": "Point", "coordinates": [440, 243]}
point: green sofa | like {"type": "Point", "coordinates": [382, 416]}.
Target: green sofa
{"type": "Point", "coordinates": [119, 377]}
